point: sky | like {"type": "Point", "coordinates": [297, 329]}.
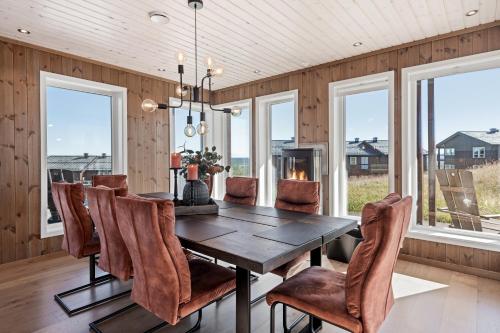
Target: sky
{"type": "Point", "coordinates": [81, 122]}
{"type": "Point", "coordinates": [78, 122]}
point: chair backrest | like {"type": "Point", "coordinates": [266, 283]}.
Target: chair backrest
{"type": "Point", "coordinates": [162, 280]}
{"type": "Point", "coordinates": [242, 190]}
{"type": "Point", "coordinates": [460, 196]}
{"type": "Point", "coordinates": [368, 282]}
{"type": "Point", "coordinates": [68, 199]}
{"type": "Point", "coordinates": [111, 181]}
{"type": "Point", "coordinates": [114, 257]}
{"type": "Point", "coordinates": [298, 196]}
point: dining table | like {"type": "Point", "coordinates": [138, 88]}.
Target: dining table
{"type": "Point", "coordinates": [257, 239]}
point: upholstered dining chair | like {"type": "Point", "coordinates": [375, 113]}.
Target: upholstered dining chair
{"type": "Point", "coordinates": [359, 300]}
{"type": "Point", "coordinates": [298, 196]}
{"type": "Point", "coordinates": [80, 240]}
{"type": "Point", "coordinates": [111, 181]}
{"type": "Point", "coordinates": [165, 282]}
{"type": "Point", "coordinates": [242, 190]}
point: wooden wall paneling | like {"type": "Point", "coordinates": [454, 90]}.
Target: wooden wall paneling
{"type": "Point", "coordinates": [146, 140]}
{"type": "Point", "coordinates": [425, 53]}
{"type": "Point", "coordinates": [321, 81]}
{"type": "Point", "coordinates": [133, 117]}
{"type": "Point", "coordinates": [465, 45]}
{"type": "Point", "coordinates": [77, 68]}
{"type": "Point", "coordinates": [305, 110]}
{"type": "Point", "coordinates": [66, 66]}
{"type": "Point", "coordinates": [157, 137]}
{"type": "Point", "coordinates": [7, 146]}
{"type": "Point", "coordinates": [96, 73]}
{"type": "Point", "coordinates": [383, 62]}
{"type": "Point", "coordinates": [451, 47]}
{"type": "Point", "coordinates": [33, 138]}
{"type": "Point", "coordinates": [466, 256]}
{"type": "Point", "coordinates": [494, 38]}
{"type": "Point", "coordinates": [494, 261]}
{"type": "Point", "coordinates": [21, 151]}
{"type": "Point", "coordinates": [480, 41]}
{"type": "Point", "coordinates": [371, 64]}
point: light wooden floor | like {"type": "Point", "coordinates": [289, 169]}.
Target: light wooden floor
{"type": "Point", "coordinates": [427, 300]}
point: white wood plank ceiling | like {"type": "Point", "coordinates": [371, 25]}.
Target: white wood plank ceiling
{"type": "Point", "coordinates": [244, 36]}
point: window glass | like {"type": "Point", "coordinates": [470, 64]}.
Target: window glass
{"type": "Point", "coordinates": [78, 139]}
{"type": "Point", "coordinates": [239, 144]}
{"type": "Point", "coordinates": [193, 143]}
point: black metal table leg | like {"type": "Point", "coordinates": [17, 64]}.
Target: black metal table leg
{"type": "Point", "coordinates": [314, 323]}
{"type": "Point", "coordinates": [242, 300]}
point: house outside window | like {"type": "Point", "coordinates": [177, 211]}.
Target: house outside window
{"type": "Point", "coordinates": [478, 152]}
{"type": "Point", "coordinates": [353, 160]}
{"type": "Point", "coordinates": [364, 163]}
{"type": "Point", "coordinates": [449, 166]}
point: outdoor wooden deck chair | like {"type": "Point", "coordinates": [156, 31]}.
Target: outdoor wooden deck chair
{"type": "Point", "coordinates": [460, 196]}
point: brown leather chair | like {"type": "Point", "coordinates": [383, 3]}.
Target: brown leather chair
{"type": "Point", "coordinates": [298, 196]}
{"type": "Point", "coordinates": [165, 282]}
{"type": "Point", "coordinates": [242, 190]}
{"type": "Point", "coordinates": [359, 300]}
{"type": "Point", "coordinates": [112, 181]}
{"type": "Point", "coordinates": [80, 239]}
{"type": "Point", "coordinates": [114, 257]}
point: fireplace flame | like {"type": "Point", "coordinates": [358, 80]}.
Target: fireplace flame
{"type": "Point", "coordinates": [298, 175]}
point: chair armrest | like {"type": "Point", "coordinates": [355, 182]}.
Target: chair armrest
{"type": "Point", "coordinates": [491, 216]}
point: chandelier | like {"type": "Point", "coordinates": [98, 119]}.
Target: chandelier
{"type": "Point", "coordinates": [195, 93]}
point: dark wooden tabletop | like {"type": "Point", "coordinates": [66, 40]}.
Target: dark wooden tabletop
{"type": "Point", "coordinates": [247, 237]}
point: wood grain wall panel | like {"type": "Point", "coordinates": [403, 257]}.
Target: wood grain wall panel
{"type": "Point", "coordinates": [148, 139]}
{"type": "Point", "coordinates": [312, 84]}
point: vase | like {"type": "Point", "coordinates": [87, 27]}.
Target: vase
{"type": "Point", "coordinates": [199, 191]}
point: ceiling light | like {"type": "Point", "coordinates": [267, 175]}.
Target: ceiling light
{"type": "Point", "coordinates": [158, 17]}
{"type": "Point", "coordinates": [357, 44]}
{"type": "Point", "coordinates": [23, 31]}
{"type": "Point", "coordinates": [162, 70]}
{"type": "Point", "coordinates": [471, 12]}
{"type": "Point", "coordinates": [257, 71]}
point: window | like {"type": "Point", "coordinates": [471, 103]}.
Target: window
{"type": "Point", "coordinates": [478, 152]}
{"type": "Point", "coordinates": [452, 201]}
{"type": "Point", "coordinates": [83, 126]}
{"type": "Point", "coordinates": [276, 129]}
{"type": "Point", "coordinates": [364, 163]}
{"type": "Point", "coordinates": [449, 152]}
{"type": "Point", "coordinates": [361, 129]}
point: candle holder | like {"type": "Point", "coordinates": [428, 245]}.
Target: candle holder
{"type": "Point", "coordinates": [176, 191]}
{"type": "Point", "coordinates": [191, 202]}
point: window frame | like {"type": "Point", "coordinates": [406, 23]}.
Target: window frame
{"type": "Point", "coordinates": [449, 152]}
{"type": "Point", "coordinates": [410, 76]}
{"type": "Point", "coordinates": [263, 158]}
{"type": "Point", "coordinates": [218, 138]}
{"type": "Point", "coordinates": [118, 132]}
{"type": "Point", "coordinates": [353, 159]}
{"type": "Point", "coordinates": [338, 171]}
{"type": "Point", "coordinates": [478, 150]}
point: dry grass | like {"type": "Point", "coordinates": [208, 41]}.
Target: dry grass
{"type": "Point", "coordinates": [371, 188]}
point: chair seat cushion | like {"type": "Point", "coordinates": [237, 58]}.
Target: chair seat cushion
{"type": "Point", "coordinates": [320, 292]}
{"type": "Point", "coordinates": [292, 267]}
{"type": "Point", "coordinates": [93, 246]}
{"type": "Point", "coordinates": [209, 282]}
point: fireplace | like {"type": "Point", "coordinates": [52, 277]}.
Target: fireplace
{"type": "Point", "coordinates": [301, 164]}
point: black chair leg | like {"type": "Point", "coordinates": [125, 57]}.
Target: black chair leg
{"type": "Point", "coordinates": [271, 322]}
{"type": "Point", "coordinates": [94, 282]}
{"type": "Point", "coordinates": [94, 325]}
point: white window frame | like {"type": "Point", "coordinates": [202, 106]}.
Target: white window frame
{"type": "Point", "coordinates": [478, 150]}
{"type": "Point", "coordinates": [219, 138]}
{"type": "Point", "coordinates": [263, 158]}
{"type": "Point", "coordinates": [119, 132]}
{"type": "Point", "coordinates": [365, 163]}
{"type": "Point", "coordinates": [353, 160]}
{"type": "Point", "coordinates": [449, 152]}
{"type": "Point", "coordinates": [337, 147]}
{"type": "Point", "coordinates": [410, 76]}
{"type": "Point", "coordinates": [195, 107]}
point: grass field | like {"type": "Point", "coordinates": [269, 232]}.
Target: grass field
{"type": "Point", "coordinates": [371, 188]}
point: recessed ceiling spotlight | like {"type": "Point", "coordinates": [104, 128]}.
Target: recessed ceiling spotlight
{"type": "Point", "coordinates": [162, 70]}
{"type": "Point", "coordinates": [158, 17]}
{"type": "Point", "coordinates": [23, 31]}
{"type": "Point", "coordinates": [357, 44]}
{"type": "Point", "coordinates": [305, 64]}
{"type": "Point", "coordinates": [471, 12]}
{"type": "Point", "coordinates": [257, 71]}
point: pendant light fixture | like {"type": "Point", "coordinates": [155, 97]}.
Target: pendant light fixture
{"type": "Point", "coordinates": [194, 94]}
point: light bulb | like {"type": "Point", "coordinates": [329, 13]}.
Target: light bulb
{"type": "Point", "coordinates": [202, 128]}
{"type": "Point", "coordinates": [181, 58]}
{"type": "Point", "coordinates": [236, 112]}
{"type": "Point", "coordinates": [148, 105]}
{"type": "Point", "coordinates": [189, 130]}
{"type": "Point", "coordinates": [179, 91]}
{"type": "Point", "coordinates": [218, 71]}
{"type": "Point", "coordinates": [210, 63]}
